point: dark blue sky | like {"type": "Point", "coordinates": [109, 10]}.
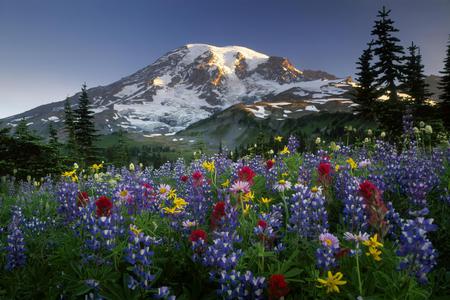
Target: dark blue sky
{"type": "Point", "coordinates": [48, 48]}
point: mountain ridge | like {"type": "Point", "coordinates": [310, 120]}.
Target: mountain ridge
{"type": "Point", "coordinates": [188, 84]}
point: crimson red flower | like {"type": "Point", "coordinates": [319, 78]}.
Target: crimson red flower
{"type": "Point", "coordinates": [324, 169]}
{"type": "Point", "coordinates": [104, 205]}
{"type": "Point", "coordinates": [246, 174]}
{"type": "Point", "coordinates": [368, 189]}
{"type": "Point", "coordinates": [197, 176]}
{"type": "Point", "coordinates": [218, 213]}
{"type": "Point", "coordinates": [269, 164]}
{"type": "Point", "coordinates": [197, 234]}
{"type": "Point", "coordinates": [184, 178]}
{"type": "Point", "coordinates": [82, 199]}
{"type": "Point", "coordinates": [262, 224]}
{"type": "Point", "coordinates": [375, 206]}
{"type": "Point", "coordinates": [147, 186]}
{"type": "Point", "coordinates": [278, 287]}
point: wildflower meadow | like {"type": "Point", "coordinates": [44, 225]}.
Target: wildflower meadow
{"type": "Point", "coordinates": [362, 221]}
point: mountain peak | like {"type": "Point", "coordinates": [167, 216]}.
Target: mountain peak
{"type": "Point", "coordinates": [189, 84]}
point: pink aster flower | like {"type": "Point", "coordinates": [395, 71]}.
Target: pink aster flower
{"type": "Point", "coordinates": [240, 187]}
{"type": "Point", "coordinates": [329, 240]}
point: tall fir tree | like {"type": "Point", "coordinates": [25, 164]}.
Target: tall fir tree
{"type": "Point", "coordinates": [69, 126]}
{"type": "Point", "coordinates": [444, 86]}
{"type": "Point", "coordinates": [389, 72]}
{"type": "Point", "coordinates": [389, 64]}
{"type": "Point", "coordinates": [366, 92]}
{"type": "Point", "coordinates": [85, 133]}
{"type": "Point", "coordinates": [413, 81]}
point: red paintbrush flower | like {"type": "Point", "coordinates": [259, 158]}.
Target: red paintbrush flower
{"type": "Point", "coordinates": [246, 174]}
{"type": "Point", "coordinates": [104, 205]}
{"type": "Point", "coordinates": [324, 169]}
{"type": "Point", "coordinates": [184, 178]}
{"type": "Point", "coordinates": [270, 163]}
{"type": "Point", "coordinates": [262, 224]}
{"type": "Point", "coordinates": [218, 213]}
{"type": "Point", "coordinates": [82, 199]}
{"type": "Point", "coordinates": [278, 287]}
{"type": "Point", "coordinates": [197, 234]}
{"type": "Point", "coordinates": [368, 190]}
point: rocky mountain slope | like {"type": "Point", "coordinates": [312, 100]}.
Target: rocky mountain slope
{"type": "Point", "coordinates": [193, 82]}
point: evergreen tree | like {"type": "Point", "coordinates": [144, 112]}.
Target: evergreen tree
{"type": "Point", "coordinates": [69, 125]}
{"type": "Point", "coordinates": [53, 133]}
{"type": "Point", "coordinates": [388, 66]}
{"type": "Point", "coordinates": [414, 80]}
{"type": "Point", "coordinates": [121, 150]}
{"type": "Point", "coordinates": [85, 133]}
{"type": "Point", "coordinates": [389, 72]}
{"type": "Point", "coordinates": [366, 93]}
{"type": "Point", "coordinates": [444, 86]}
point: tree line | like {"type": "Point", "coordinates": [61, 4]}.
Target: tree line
{"type": "Point", "coordinates": [391, 81]}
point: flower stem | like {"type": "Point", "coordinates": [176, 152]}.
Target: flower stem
{"type": "Point", "coordinates": [286, 210]}
{"type": "Point", "coordinates": [357, 270]}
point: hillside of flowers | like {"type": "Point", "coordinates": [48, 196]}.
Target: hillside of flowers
{"type": "Point", "coordinates": [363, 221]}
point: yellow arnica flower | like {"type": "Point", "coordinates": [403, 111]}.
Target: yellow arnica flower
{"type": "Point", "coordinates": [172, 194]}
{"type": "Point", "coordinates": [226, 183]}
{"type": "Point", "coordinates": [172, 210]}
{"type": "Point", "coordinates": [265, 200]}
{"type": "Point", "coordinates": [246, 209]}
{"type": "Point", "coordinates": [209, 166]}
{"type": "Point", "coordinates": [69, 173]}
{"type": "Point", "coordinates": [285, 174]}
{"type": "Point", "coordinates": [352, 163]}
{"type": "Point", "coordinates": [96, 167]}
{"type": "Point", "coordinates": [373, 242]}
{"type": "Point", "coordinates": [375, 253]}
{"type": "Point", "coordinates": [285, 150]}
{"type": "Point", "coordinates": [332, 282]}
{"type": "Point", "coordinates": [278, 138]}
{"type": "Point", "coordinates": [248, 196]}
{"type": "Point", "coordinates": [336, 168]}
{"type": "Point", "coordinates": [179, 202]}
{"type": "Point", "coordinates": [134, 229]}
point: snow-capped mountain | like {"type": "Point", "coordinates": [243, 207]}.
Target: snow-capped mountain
{"type": "Point", "coordinates": [191, 83]}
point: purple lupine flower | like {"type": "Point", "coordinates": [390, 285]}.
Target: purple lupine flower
{"type": "Point", "coordinates": [138, 254]}
{"type": "Point", "coordinates": [416, 250]}
{"type": "Point", "coordinates": [15, 248]}
{"type": "Point", "coordinates": [293, 144]}
{"type": "Point", "coordinates": [308, 216]}
{"type": "Point", "coordinates": [325, 253]}
{"type": "Point", "coordinates": [235, 285]}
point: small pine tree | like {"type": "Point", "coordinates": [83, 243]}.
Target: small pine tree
{"type": "Point", "coordinates": [85, 133]}
{"type": "Point", "coordinates": [53, 133]}
{"type": "Point", "coordinates": [444, 86]}
{"type": "Point", "coordinates": [121, 149]}
{"type": "Point", "coordinates": [366, 92]}
{"type": "Point", "coordinates": [413, 81]}
{"type": "Point", "coordinates": [388, 67]}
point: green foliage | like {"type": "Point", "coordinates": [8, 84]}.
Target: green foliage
{"type": "Point", "coordinates": [84, 127]}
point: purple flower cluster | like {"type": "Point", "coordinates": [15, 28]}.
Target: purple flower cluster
{"type": "Point", "coordinates": [15, 248]}
{"type": "Point", "coordinates": [325, 253]}
{"type": "Point", "coordinates": [416, 250]}
{"type": "Point", "coordinates": [138, 254]}
{"type": "Point", "coordinates": [308, 215]}
{"type": "Point", "coordinates": [235, 285]}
